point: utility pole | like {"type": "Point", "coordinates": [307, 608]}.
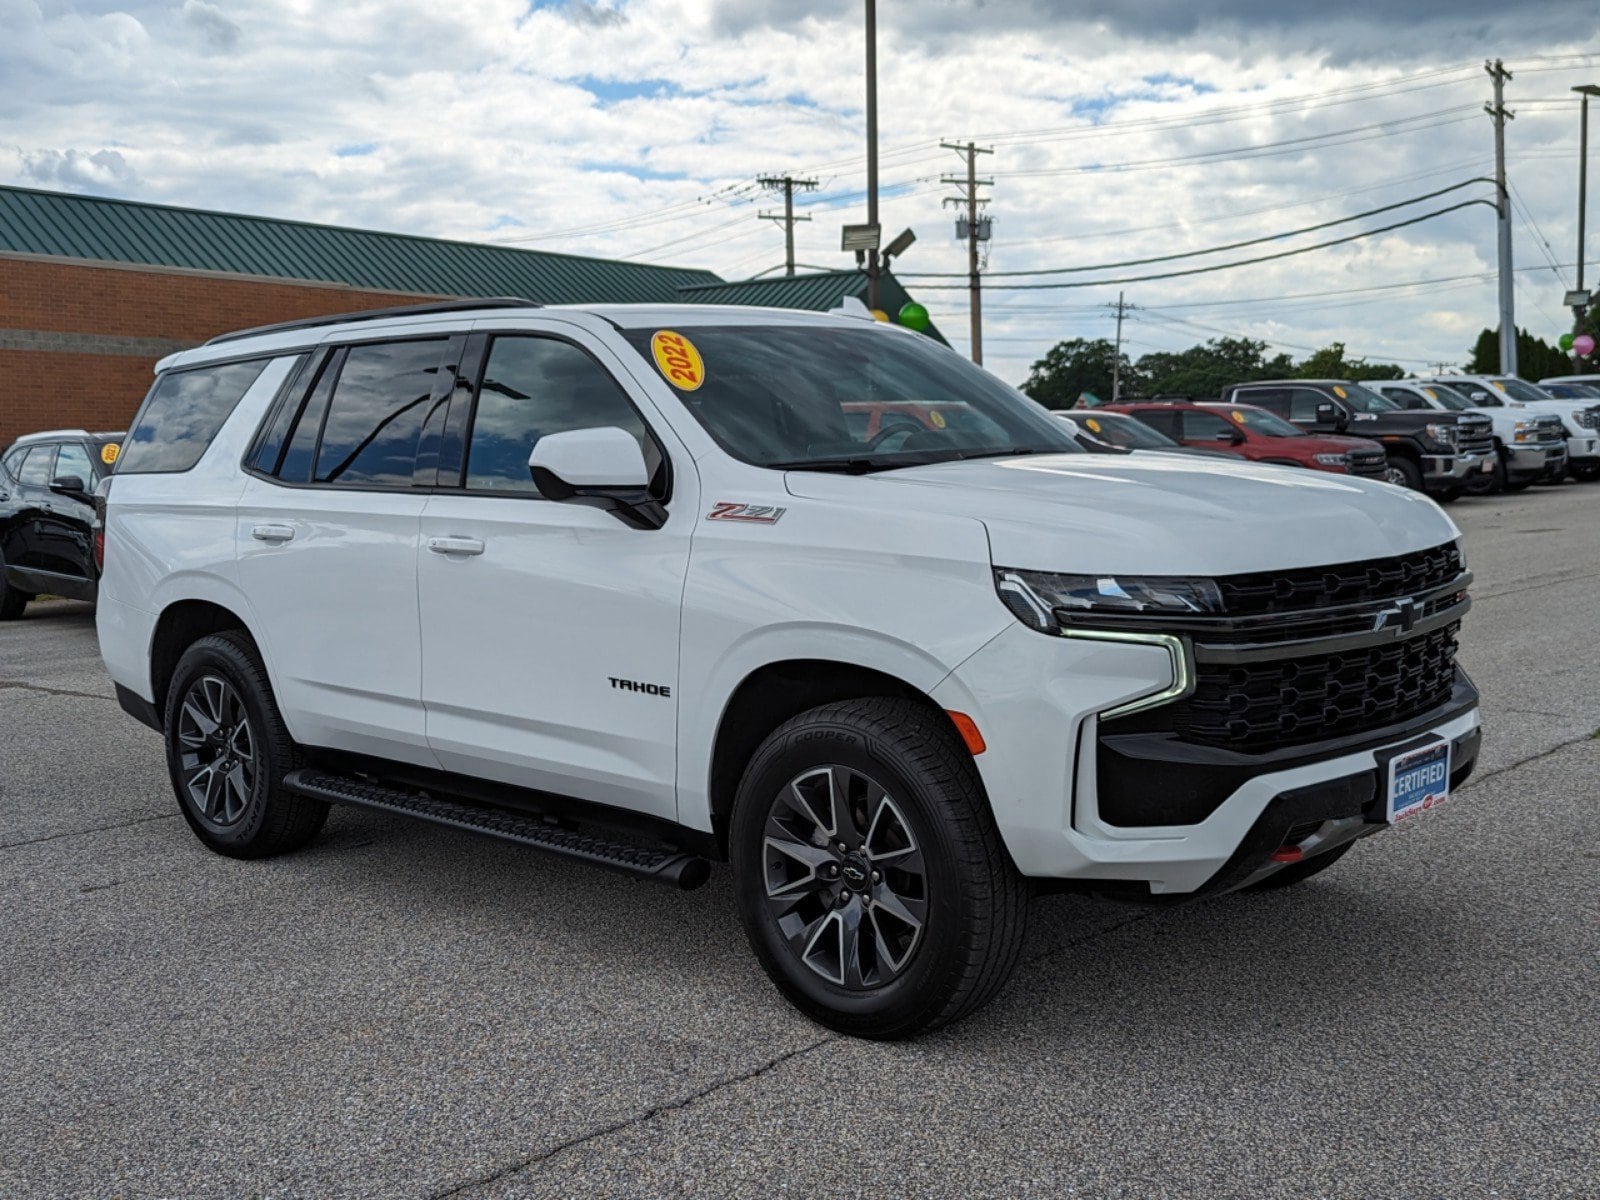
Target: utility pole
{"type": "Point", "coordinates": [786, 184]}
{"type": "Point", "coordinates": [872, 148]}
{"type": "Point", "coordinates": [1116, 359]}
{"type": "Point", "coordinates": [1585, 90]}
{"type": "Point", "coordinates": [977, 230]}
{"type": "Point", "coordinates": [1508, 316]}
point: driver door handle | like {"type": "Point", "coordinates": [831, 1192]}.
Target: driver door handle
{"type": "Point", "coordinates": [455, 545]}
{"type": "Point", "coordinates": [273, 533]}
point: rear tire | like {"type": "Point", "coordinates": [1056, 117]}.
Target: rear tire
{"type": "Point", "coordinates": [918, 920]}
{"type": "Point", "coordinates": [1301, 871]}
{"type": "Point", "coordinates": [12, 602]}
{"type": "Point", "coordinates": [228, 751]}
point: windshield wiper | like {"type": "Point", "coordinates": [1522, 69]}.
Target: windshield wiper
{"type": "Point", "coordinates": [861, 465]}
{"type": "Point", "coordinates": [1000, 452]}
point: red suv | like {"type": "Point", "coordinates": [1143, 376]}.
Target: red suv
{"type": "Point", "coordinates": [1256, 434]}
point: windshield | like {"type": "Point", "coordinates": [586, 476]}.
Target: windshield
{"type": "Point", "coordinates": [1259, 420]}
{"type": "Point", "coordinates": [1572, 391]}
{"type": "Point", "coordinates": [1364, 400]}
{"type": "Point", "coordinates": [1448, 396]}
{"type": "Point", "coordinates": [1117, 429]}
{"type": "Point", "coordinates": [1519, 389]}
{"type": "Point", "coordinates": [800, 397]}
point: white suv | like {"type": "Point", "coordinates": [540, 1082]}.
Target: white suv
{"type": "Point", "coordinates": [649, 587]}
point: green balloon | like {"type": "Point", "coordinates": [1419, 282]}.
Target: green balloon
{"type": "Point", "coordinates": [914, 316]}
{"type": "Point", "coordinates": [1566, 341]}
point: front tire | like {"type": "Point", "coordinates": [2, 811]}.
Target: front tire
{"type": "Point", "coordinates": [1404, 473]}
{"type": "Point", "coordinates": [1585, 474]}
{"type": "Point", "coordinates": [228, 751]}
{"type": "Point", "coordinates": [870, 877]}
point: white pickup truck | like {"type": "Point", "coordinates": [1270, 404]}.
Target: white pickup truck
{"type": "Point", "coordinates": [1580, 419]}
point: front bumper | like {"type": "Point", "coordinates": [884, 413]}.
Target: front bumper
{"type": "Point", "coordinates": [1037, 699]}
{"type": "Point", "coordinates": [1538, 460]}
{"type": "Point", "coordinates": [1446, 469]}
{"type": "Point", "coordinates": [1583, 450]}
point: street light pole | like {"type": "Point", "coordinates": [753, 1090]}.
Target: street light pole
{"type": "Point", "coordinates": [1585, 90]}
{"type": "Point", "coordinates": [872, 148]}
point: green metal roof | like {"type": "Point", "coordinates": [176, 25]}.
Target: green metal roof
{"type": "Point", "coordinates": [818, 292]}
{"type": "Point", "coordinates": [124, 231]}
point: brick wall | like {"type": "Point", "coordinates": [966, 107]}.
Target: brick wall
{"type": "Point", "coordinates": [78, 342]}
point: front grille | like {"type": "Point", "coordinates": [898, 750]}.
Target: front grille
{"type": "Point", "coordinates": [1588, 418]}
{"type": "Point", "coordinates": [1269, 592]}
{"type": "Point", "coordinates": [1474, 434]}
{"type": "Point", "coordinates": [1280, 702]}
{"type": "Point", "coordinates": [1549, 429]}
{"type": "Point", "coordinates": [1370, 462]}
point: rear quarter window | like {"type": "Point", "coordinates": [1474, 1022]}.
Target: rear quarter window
{"type": "Point", "coordinates": [182, 415]}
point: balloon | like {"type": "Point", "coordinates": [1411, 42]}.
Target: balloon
{"type": "Point", "coordinates": [879, 315]}
{"type": "Point", "coordinates": [1583, 344]}
{"type": "Point", "coordinates": [914, 316]}
{"type": "Point", "coordinates": [1565, 341]}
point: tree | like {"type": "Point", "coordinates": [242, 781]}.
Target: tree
{"type": "Point", "coordinates": [1205, 370]}
{"type": "Point", "coordinates": [1536, 357]}
{"type": "Point", "coordinates": [1330, 363]}
{"type": "Point", "coordinates": [1071, 368]}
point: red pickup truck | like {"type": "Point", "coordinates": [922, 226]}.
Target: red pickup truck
{"type": "Point", "coordinates": [1256, 434]}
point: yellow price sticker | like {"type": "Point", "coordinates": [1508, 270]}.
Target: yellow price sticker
{"type": "Point", "coordinates": [1238, 416]}
{"type": "Point", "coordinates": [1094, 426]}
{"type": "Point", "coordinates": [1430, 393]}
{"type": "Point", "coordinates": [1340, 392]}
{"type": "Point", "coordinates": [937, 418]}
{"type": "Point", "coordinates": [677, 359]}
{"type": "Point", "coordinates": [109, 453]}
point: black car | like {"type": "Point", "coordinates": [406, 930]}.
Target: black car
{"type": "Point", "coordinates": [47, 514]}
{"type": "Point", "coordinates": [1442, 453]}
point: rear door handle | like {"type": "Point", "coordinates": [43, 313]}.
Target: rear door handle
{"type": "Point", "coordinates": [455, 545]}
{"type": "Point", "coordinates": [273, 533]}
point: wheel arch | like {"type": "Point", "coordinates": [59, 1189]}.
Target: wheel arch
{"type": "Point", "coordinates": [771, 694]}
{"type": "Point", "coordinates": [180, 625]}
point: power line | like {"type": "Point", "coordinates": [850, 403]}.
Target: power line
{"type": "Point", "coordinates": [1244, 262]}
{"type": "Point", "coordinates": [1271, 237]}
{"type": "Point", "coordinates": [786, 184]}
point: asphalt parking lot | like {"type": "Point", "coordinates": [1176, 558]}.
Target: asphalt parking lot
{"type": "Point", "coordinates": [401, 1011]}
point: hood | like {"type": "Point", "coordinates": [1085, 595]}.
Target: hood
{"type": "Point", "coordinates": [1152, 514]}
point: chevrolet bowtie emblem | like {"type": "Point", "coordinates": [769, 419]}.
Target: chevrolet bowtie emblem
{"type": "Point", "coordinates": [1403, 616]}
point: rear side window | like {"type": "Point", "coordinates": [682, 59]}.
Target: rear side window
{"type": "Point", "coordinates": [1162, 421]}
{"type": "Point", "coordinates": [182, 416]}
{"type": "Point", "coordinates": [534, 386]}
{"type": "Point", "coordinates": [377, 412]}
{"type": "Point", "coordinates": [36, 467]}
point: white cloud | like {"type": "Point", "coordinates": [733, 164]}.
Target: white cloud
{"type": "Point", "coordinates": [643, 123]}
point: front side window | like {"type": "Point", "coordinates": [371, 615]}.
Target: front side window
{"type": "Point", "coordinates": [183, 414]}
{"type": "Point", "coordinates": [532, 387]}
{"type": "Point", "coordinates": [376, 413]}
{"type": "Point", "coordinates": [779, 396]}
{"type": "Point", "coordinates": [72, 459]}
{"type": "Point", "coordinates": [1206, 427]}
{"type": "Point", "coordinates": [37, 467]}
{"type": "Point", "coordinates": [1303, 405]}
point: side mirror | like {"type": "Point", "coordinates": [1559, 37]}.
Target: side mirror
{"type": "Point", "coordinates": [601, 466]}
{"type": "Point", "coordinates": [1231, 436]}
{"type": "Point", "coordinates": [1478, 397]}
{"type": "Point", "coordinates": [70, 485]}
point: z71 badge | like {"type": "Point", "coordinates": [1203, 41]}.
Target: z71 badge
{"type": "Point", "coordinates": [755, 514]}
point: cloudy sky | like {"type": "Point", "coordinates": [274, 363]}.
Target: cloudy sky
{"type": "Point", "coordinates": [636, 128]}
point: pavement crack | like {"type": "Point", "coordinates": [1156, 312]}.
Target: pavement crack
{"type": "Point", "coordinates": [643, 1118]}
{"type": "Point", "coordinates": [56, 837]}
{"type": "Point", "coordinates": [19, 685]}
{"type": "Point", "coordinates": [1522, 762]}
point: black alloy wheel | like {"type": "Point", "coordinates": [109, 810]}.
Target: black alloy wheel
{"type": "Point", "coordinates": [217, 751]}
{"type": "Point", "coordinates": [845, 880]}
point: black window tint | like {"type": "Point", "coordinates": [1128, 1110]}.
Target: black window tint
{"type": "Point", "coordinates": [1303, 404]}
{"type": "Point", "coordinates": [73, 459]}
{"type": "Point", "coordinates": [269, 445]}
{"type": "Point", "coordinates": [302, 449]}
{"type": "Point", "coordinates": [13, 462]}
{"type": "Point", "coordinates": [1204, 427]}
{"type": "Point", "coordinates": [183, 414]}
{"type": "Point", "coordinates": [532, 387]}
{"type": "Point", "coordinates": [376, 415]}
{"type": "Point", "coordinates": [36, 467]}
{"type": "Point", "coordinates": [1161, 421]}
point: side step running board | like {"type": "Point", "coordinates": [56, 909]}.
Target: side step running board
{"type": "Point", "coordinates": [671, 867]}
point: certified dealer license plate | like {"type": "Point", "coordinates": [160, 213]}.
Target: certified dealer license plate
{"type": "Point", "coordinates": [1419, 780]}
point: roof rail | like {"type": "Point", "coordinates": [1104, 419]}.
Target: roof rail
{"type": "Point", "coordinates": [380, 314]}
{"type": "Point", "coordinates": [43, 434]}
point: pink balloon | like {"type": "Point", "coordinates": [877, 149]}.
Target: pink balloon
{"type": "Point", "coordinates": [1583, 345]}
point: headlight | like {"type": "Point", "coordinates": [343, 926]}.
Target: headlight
{"type": "Point", "coordinates": [1334, 460]}
{"type": "Point", "coordinates": [1444, 433]}
{"type": "Point", "coordinates": [1042, 600]}
{"type": "Point", "coordinates": [1525, 431]}
{"type": "Point", "coordinates": [1589, 418]}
